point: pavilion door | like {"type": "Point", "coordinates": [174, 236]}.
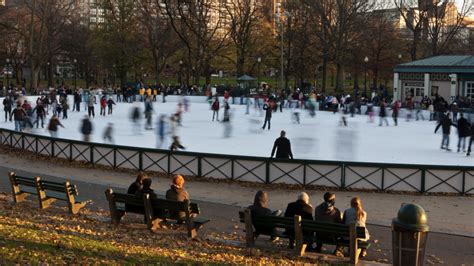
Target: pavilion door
{"type": "Point", "coordinates": [469, 91]}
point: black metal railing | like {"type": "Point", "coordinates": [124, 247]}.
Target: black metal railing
{"type": "Point", "coordinates": [336, 174]}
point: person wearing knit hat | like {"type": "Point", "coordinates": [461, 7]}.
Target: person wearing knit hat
{"type": "Point", "coordinates": [302, 208]}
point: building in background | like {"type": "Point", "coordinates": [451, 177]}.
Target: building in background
{"type": "Point", "coordinates": [448, 76]}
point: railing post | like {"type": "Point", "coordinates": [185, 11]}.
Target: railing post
{"type": "Point", "coordinates": [169, 162]}
{"type": "Point", "coordinates": [91, 151]}
{"type": "Point", "coordinates": [267, 172]}
{"type": "Point", "coordinates": [36, 145]}
{"type": "Point", "coordinates": [70, 151]}
{"type": "Point", "coordinates": [199, 170]}
{"type": "Point", "coordinates": [304, 174]}
{"type": "Point", "coordinates": [232, 169]}
{"type": "Point", "coordinates": [383, 179]}
{"type": "Point", "coordinates": [463, 182]}
{"type": "Point", "coordinates": [115, 158]}
{"type": "Point", "coordinates": [140, 160]}
{"type": "Point", "coordinates": [343, 175]}
{"type": "Point", "coordinates": [52, 148]}
{"type": "Point", "coordinates": [423, 174]}
{"type": "Point", "coordinates": [22, 142]}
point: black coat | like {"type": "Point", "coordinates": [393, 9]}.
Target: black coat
{"type": "Point", "coordinates": [86, 128]}
{"type": "Point", "coordinates": [283, 147]}
{"type": "Point", "coordinates": [446, 125]}
{"type": "Point", "coordinates": [300, 208]}
{"type": "Point", "coordinates": [463, 127]}
{"type": "Point", "coordinates": [268, 110]}
{"type": "Point", "coordinates": [134, 187]}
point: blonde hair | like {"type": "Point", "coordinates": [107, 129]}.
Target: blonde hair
{"type": "Point", "coordinates": [356, 203]}
{"type": "Point", "coordinates": [178, 180]}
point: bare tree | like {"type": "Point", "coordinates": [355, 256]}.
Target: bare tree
{"type": "Point", "coordinates": [201, 27]}
{"type": "Point", "coordinates": [244, 17]}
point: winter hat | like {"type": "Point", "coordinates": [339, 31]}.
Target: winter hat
{"type": "Point", "coordinates": [304, 197]}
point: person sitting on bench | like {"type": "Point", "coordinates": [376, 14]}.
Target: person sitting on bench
{"type": "Point", "coordinates": [302, 208]}
{"type": "Point", "coordinates": [178, 193]}
{"type": "Point", "coordinates": [132, 189]}
{"type": "Point", "coordinates": [146, 189]}
{"type": "Point", "coordinates": [327, 212]}
{"type": "Point", "coordinates": [260, 208]}
{"type": "Point", "coordinates": [357, 215]}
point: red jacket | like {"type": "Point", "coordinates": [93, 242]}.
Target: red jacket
{"type": "Point", "coordinates": [103, 103]}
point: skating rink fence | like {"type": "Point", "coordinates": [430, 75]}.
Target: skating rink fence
{"type": "Point", "coordinates": [333, 174]}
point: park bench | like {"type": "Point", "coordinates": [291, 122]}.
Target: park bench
{"type": "Point", "coordinates": [47, 192]}
{"type": "Point", "coordinates": [22, 187]}
{"type": "Point", "coordinates": [154, 210]}
{"type": "Point", "coordinates": [158, 209]}
{"type": "Point", "coordinates": [277, 223]}
{"type": "Point", "coordinates": [341, 235]}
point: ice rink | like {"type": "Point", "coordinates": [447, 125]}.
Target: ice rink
{"type": "Point", "coordinates": [318, 138]}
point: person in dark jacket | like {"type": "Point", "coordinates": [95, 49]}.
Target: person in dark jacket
{"type": "Point", "coordinates": [138, 184]}
{"type": "Point", "coordinates": [328, 213]}
{"type": "Point", "coordinates": [268, 114]}
{"type": "Point", "coordinates": [146, 189]}
{"type": "Point", "coordinates": [463, 132]}
{"type": "Point", "coordinates": [282, 146]}
{"type": "Point", "coordinates": [53, 126]}
{"type": "Point", "coordinates": [86, 128]}
{"type": "Point", "coordinates": [178, 193]}
{"type": "Point", "coordinates": [446, 124]}
{"type": "Point", "coordinates": [302, 208]}
{"type": "Point", "coordinates": [260, 208]}
{"type": "Point", "coordinates": [40, 114]}
{"type": "Point", "coordinates": [77, 101]}
{"type": "Point", "coordinates": [7, 107]}
{"type": "Point", "coordinates": [18, 115]}
{"type": "Point", "coordinates": [471, 140]}
{"type": "Point", "coordinates": [383, 114]}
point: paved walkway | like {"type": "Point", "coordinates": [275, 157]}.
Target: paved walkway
{"type": "Point", "coordinates": [221, 201]}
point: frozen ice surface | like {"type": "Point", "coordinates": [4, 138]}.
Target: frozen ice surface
{"type": "Point", "coordinates": [318, 138]}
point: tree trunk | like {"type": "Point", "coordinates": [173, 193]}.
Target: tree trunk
{"type": "Point", "coordinates": [339, 78]}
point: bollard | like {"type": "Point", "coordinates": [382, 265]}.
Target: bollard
{"type": "Point", "coordinates": [409, 236]}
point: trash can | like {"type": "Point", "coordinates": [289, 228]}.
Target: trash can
{"type": "Point", "coordinates": [409, 235]}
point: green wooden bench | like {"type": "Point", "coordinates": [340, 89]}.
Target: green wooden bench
{"type": "Point", "coordinates": [276, 224]}
{"type": "Point", "coordinates": [159, 209]}
{"type": "Point", "coordinates": [47, 192]}
{"type": "Point", "coordinates": [154, 210]}
{"type": "Point", "coordinates": [22, 187]}
{"type": "Point", "coordinates": [341, 235]}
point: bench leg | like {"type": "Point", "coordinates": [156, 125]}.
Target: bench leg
{"type": "Point", "coordinates": [249, 234]}
{"type": "Point", "coordinates": [354, 250]}
{"type": "Point", "coordinates": [20, 197]}
{"type": "Point", "coordinates": [155, 224]}
{"type": "Point", "coordinates": [192, 233]}
{"type": "Point", "coordinates": [116, 217]}
{"type": "Point", "coordinates": [300, 246]}
{"type": "Point", "coordinates": [75, 207]}
{"type": "Point", "coordinates": [45, 203]}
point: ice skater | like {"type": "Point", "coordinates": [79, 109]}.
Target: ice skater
{"type": "Point", "coordinates": [226, 121]}
{"type": "Point", "coordinates": [86, 129]}
{"type": "Point", "coordinates": [470, 140]}
{"type": "Point", "coordinates": [148, 113]}
{"type": "Point", "coordinates": [215, 109]}
{"type": "Point", "coordinates": [53, 126]}
{"type": "Point", "coordinates": [383, 114]}
{"type": "Point", "coordinates": [395, 112]}
{"type": "Point", "coordinates": [282, 146]}
{"type": "Point", "coordinates": [446, 124]}
{"type": "Point", "coordinates": [110, 104]}
{"type": "Point", "coordinates": [175, 145]}
{"type": "Point", "coordinates": [108, 133]}
{"type": "Point", "coordinates": [161, 131]}
{"type": "Point", "coordinates": [268, 114]}
{"type": "Point", "coordinates": [464, 130]}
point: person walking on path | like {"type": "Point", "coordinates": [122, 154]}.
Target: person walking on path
{"type": "Point", "coordinates": [446, 124]}
{"type": "Point", "coordinates": [282, 146]}
{"type": "Point", "coordinates": [53, 126]}
{"type": "Point", "coordinates": [215, 109]}
{"type": "Point", "coordinates": [268, 114]}
{"type": "Point", "coordinates": [464, 131]}
{"type": "Point", "coordinates": [86, 129]}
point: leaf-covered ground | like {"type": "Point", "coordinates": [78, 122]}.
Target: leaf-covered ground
{"type": "Point", "coordinates": [32, 236]}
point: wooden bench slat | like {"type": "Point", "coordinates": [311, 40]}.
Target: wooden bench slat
{"type": "Point", "coordinates": [30, 190]}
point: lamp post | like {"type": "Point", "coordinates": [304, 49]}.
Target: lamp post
{"type": "Point", "coordinates": [194, 76]}
{"type": "Point", "coordinates": [366, 60]}
{"type": "Point", "coordinates": [259, 60]}
{"type": "Point", "coordinates": [75, 74]}
{"type": "Point", "coordinates": [47, 74]}
{"type": "Point", "coordinates": [8, 72]}
{"type": "Point", "coordinates": [180, 78]}
{"type": "Point", "coordinates": [399, 58]}
{"type": "Point", "coordinates": [282, 58]}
